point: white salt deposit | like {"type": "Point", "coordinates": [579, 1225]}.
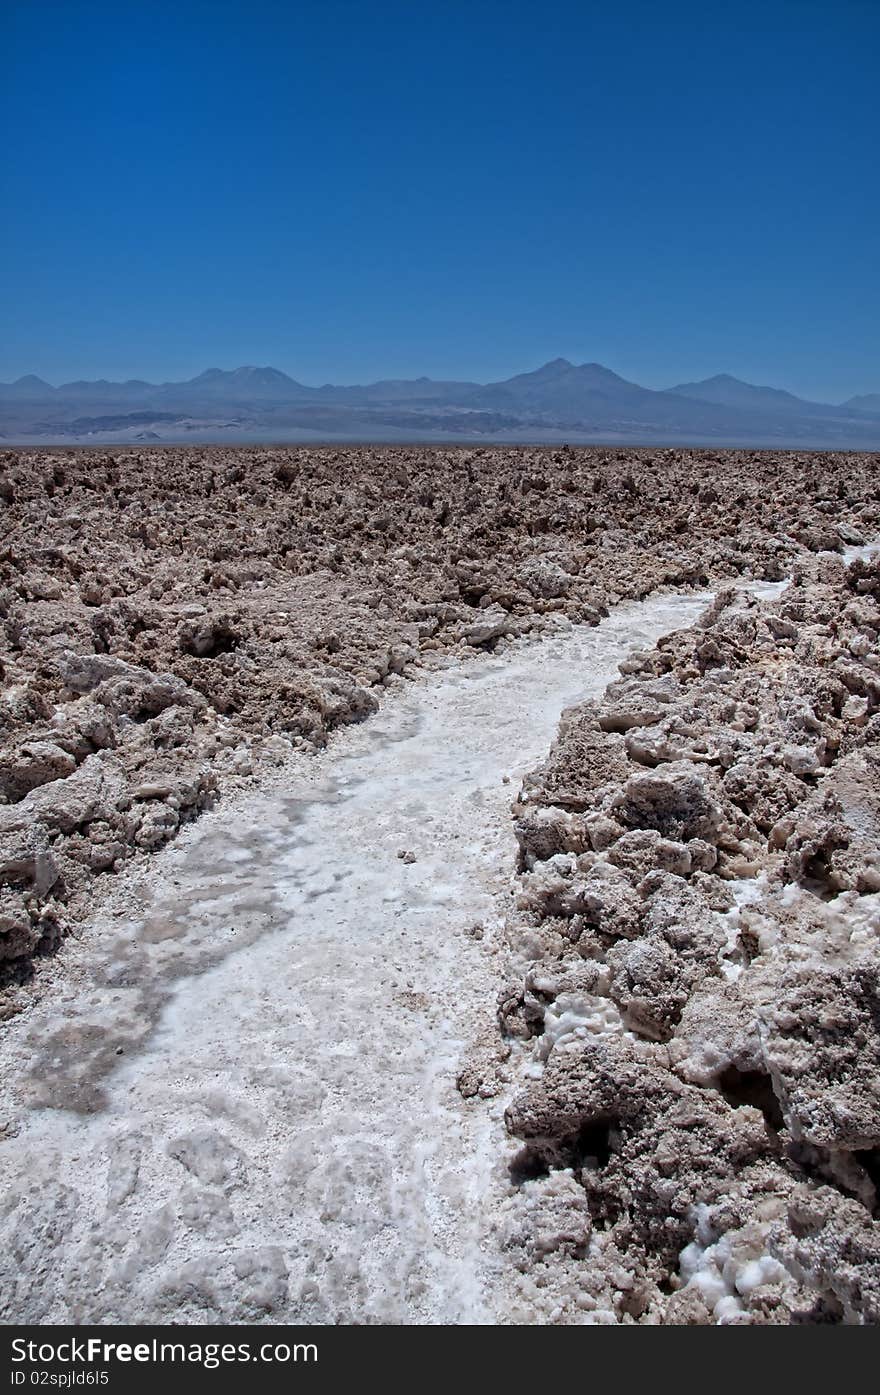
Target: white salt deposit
{"type": "Point", "coordinates": [730, 1268]}
{"type": "Point", "coordinates": [574, 1018]}
{"type": "Point", "coordinates": [860, 552]}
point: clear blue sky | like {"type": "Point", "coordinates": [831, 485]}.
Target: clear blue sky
{"type": "Point", "coordinates": [455, 187]}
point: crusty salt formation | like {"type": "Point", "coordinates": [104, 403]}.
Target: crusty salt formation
{"type": "Point", "coordinates": [175, 620]}
{"type": "Point", "coordinates": [699, 985]}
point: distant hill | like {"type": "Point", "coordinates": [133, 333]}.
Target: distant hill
{"type": "Point", "coordinates": [28, 389]}
{"type": "Point", "coordinates": [241, 385]}
{"type": "Point", "coordinates": [558, 401]}
{"type": "Point", "coordinates": [869, 403]}
{"type": "Point", "coordinates": [725, 391]}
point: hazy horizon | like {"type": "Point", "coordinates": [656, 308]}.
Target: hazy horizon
{"type": "Point", "coordinates": [414, 375]}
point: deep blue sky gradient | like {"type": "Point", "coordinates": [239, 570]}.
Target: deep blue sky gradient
{"type": "Point", "coordinates": [454, 187]}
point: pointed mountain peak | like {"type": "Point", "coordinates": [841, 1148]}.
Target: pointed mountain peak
{"type": "Point", "coordinates": [30, 380]}
{"type": "Point", "coordinates": [555, 365]}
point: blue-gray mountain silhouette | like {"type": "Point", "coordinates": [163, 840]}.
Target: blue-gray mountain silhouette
{"type": "Point", "coordinates": [577, 401]}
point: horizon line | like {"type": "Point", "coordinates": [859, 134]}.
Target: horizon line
{"type": "Point", "coordinates": [419, 377]}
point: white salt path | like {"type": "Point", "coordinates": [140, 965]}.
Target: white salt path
{"type": "Point", "coordinates": [236, 1100]}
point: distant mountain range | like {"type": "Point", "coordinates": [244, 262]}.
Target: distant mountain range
{"type": "Point", "coordinates": [559, 401]}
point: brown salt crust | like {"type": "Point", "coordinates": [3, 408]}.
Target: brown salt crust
{"type": "Point", "coordinates": [700, 1110]}
{"type": "Point", "coordinates": [177, 620]}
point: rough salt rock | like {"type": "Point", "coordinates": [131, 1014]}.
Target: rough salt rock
{"type": "Point", "coordinates": [542, 831]}
{"type": "Point", "coordinates": [821, 1039]}
{"type": "Point", "coordinates": [548, 1216]}
{"type": "Point", "coordinates": [124, 688]}
{"type": "Point", "coordinates": [96, 789]}
{"type": "Point", "coordinates": [26, 928]}
{"type": "Point", "coordinates": [205, 636]}
{"type": "Point", "coordinates": [544, 578]}
{"type": "Point", "coordinates": [675, 800]}
{"type": "Point", "coordinates": [833, 1245]}
{"type": "Point", "coordinates": [635, 702]}
{"type": "Point", "coordinates": [21, 703]}
{"type": "Point", "coordinates": [686, 1145]}
{"type": "Point", "coordinates": [494, 625]}
{"type": "Point", "coordinates": [582, 761]}
{"type": "Point", "coordinates": [31, 765]}
{"type": "Point", "coordinates": [26, 856]}
{"type": "Point", "coordinates": [156, 827]}
{"type": "Point", "coordinates": [82, 727]}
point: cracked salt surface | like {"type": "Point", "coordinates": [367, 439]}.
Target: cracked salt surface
{"type": "Point", "coordinates": [236, 1101]}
